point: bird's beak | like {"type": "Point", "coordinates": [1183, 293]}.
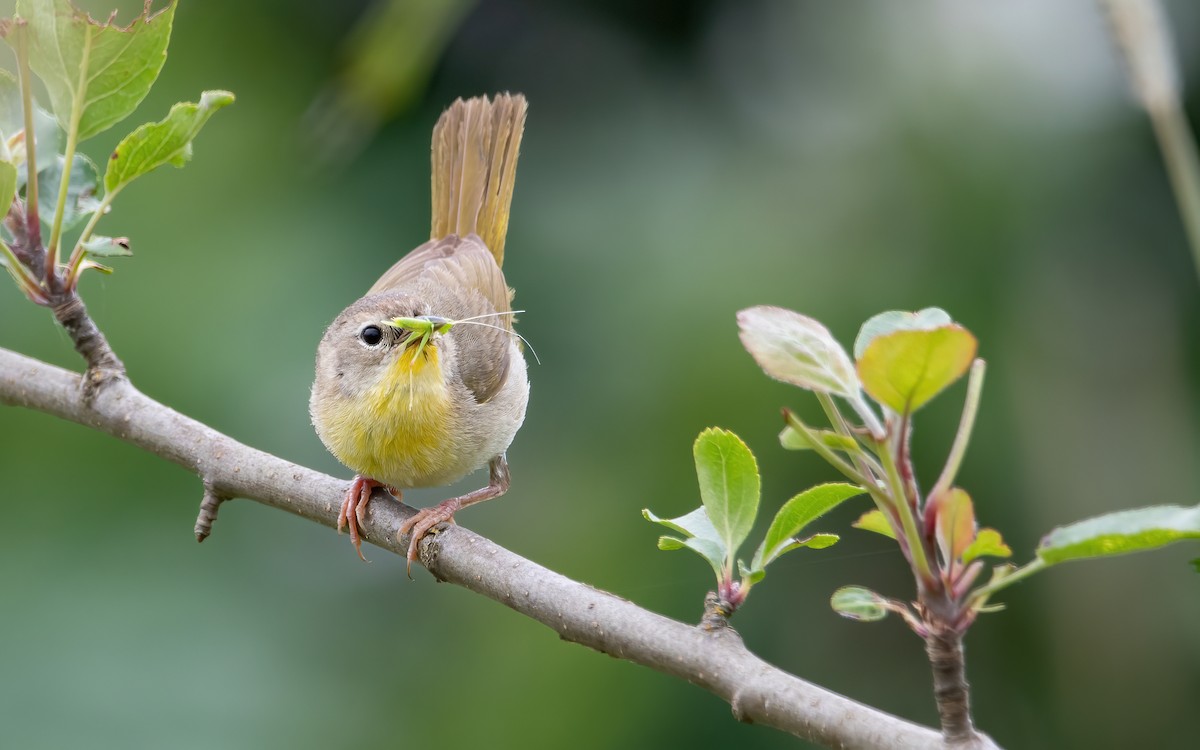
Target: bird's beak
{"type": "Point", "coordinates": [422, 329]}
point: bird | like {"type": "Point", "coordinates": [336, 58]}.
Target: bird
{"type": "Point", "coordinates": [423, 380]}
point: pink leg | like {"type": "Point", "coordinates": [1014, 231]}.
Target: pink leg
{"type": "Point", "coordinates": [354, 508]}
{"type": "Point", "coordinates": [426, 518]}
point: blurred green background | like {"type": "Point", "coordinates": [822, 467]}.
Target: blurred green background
{"type": "Point", "coordinates": [682, 160]}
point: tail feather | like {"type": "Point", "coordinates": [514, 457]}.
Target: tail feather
{"type": "Point", "coordinates": [475, 147]}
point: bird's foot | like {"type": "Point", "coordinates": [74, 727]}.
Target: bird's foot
{"type": "Point", "coordinates": [423, 521]}
{"type": "Point", "coordinates": [354, 508]}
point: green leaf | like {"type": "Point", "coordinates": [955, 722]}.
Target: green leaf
{"type": "Point", "coordinates": [989, 543]}
{"type": "Point", "coordinates": [858, 603]}
{"type": "Point", "coordinates": [107, 247]}
{"type": "Point", "coordinates": [12, 116]}
{"type": "Point", "coordinates": [874, 520]}
{"type": "Point", "coordinates": [955, 522]}
{"type": "Point", "coordinates": [8, 186]}
{"type": "Point", "coordinates": [81, 192]}
{"type": "Point", "coordinates": [796, 349]}
{"type": "Point", "coordinates": [749, 576]}
{"type": "Point", "coordinates": [109, 69]}
{"type": "Point", "coordinates": [1196, 564]}
{"type": "Point", "coordinates": [700, 536]}
{"type": "Point", "coordinates": [166, 142]}
{"type": "Point", "coordinates": [816, 541]}
{"type": "Point", "coordinates": [49, 143]}
{"type": "Point", "coordinates": [729, 484]}
{"type": "Point", "coordinates": [1120, 533]}
{"type": "Point", "coordinates": [898, 320]}
{"type": "Point", "coordinates": [905, 369]}
{"type": "Point", "coordinates": [794, 440]}
{"type": "Point", "coordinates": [797, 513]}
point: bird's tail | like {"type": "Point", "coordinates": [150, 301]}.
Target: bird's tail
{"type": "Point", "coordinates": [475, 148]}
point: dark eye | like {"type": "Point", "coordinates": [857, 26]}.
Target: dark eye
{"type": "Point", "coordinates": [371, 335]}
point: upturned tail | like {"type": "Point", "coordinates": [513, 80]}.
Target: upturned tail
{"type": "Point", "coordinates": [475, 148]}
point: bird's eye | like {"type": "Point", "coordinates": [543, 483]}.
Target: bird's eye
{"type": "Point", "coordinates": [371, 335]}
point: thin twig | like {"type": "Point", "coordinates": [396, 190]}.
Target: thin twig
{"type": "Point", "coordinates": [717, 661]}
{"type": "Point", "coordinates": [210, 505]}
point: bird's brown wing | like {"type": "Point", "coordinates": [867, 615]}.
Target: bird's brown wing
{"type": "Point", "coordinates": [458, 278]}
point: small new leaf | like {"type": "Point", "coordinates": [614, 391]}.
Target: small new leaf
{"type": "Point", "coordinates": [166, 142]}
{"type": "Point", "coordinates": [109, 69]}
{"type": "Point", "coordinates": [794, 440]}
{"type": "Point", "coordinates": [989, 543]}
{"type": "Point", "coordinates": [1120, 533]}
{"type": "Point", "coordinates": [955, 522]}
{"type": "Point", "coordinates": [8, 186]}
{"type": "Point", "coordinates": [858, 603]}
{"type": "Point", "coordinates": [796, 349]}
{"type": "Point", "coordinates": [729, 484]}
{"type": "Point", "coordinates": [700, 537]}
{"type": "Point", "coordinates": [797, 513]}
{"type": "Point", "coordinates": [905, 369]}
{"type": "Point", "coordinates": [874, 520]}
{"type": "Point", "coordinates": [108, 247]}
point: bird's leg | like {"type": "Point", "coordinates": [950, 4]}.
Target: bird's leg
{"type": "Point", "coordinates": [426, 518]}
{"type": "Point", "coordinates": [354, 507]}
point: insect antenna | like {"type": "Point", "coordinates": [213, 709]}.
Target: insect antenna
{"type": "Point", "coordinates": [470, 321]}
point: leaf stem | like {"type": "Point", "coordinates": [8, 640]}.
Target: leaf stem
{"type": "Point", "coordinates": [899, 500]}
{"type": "Point", "coordinates": [33, 225]}
{"type": "Point", "coordinates": [78, 253]}
{"type": "Point", "coordinates": [983, 592]}
{"type": "Point", "coordinates": [69, 156]}
{"type": "Point", "coordinates": [870, 421]}
{"type": "Point", "coordinates": [25, 280]}
{"type": "Point", "coordinates": [866, 465]}
{"type": "Point", "coordinates": [965, 426]}
{"type": "Point", "coordinates": [825, 451]}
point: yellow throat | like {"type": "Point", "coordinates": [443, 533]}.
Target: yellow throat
{"type": "Point", "coordinates": [399, 429]}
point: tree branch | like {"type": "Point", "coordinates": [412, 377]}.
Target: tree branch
{"type": "Point", "coordinates": [715, 660]}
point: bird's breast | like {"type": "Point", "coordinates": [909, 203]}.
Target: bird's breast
{"type": "Point", "coordinates": [399, 430]}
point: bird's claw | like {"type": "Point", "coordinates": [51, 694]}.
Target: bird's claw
{"type": "Point", "coordinates": [423, 521]}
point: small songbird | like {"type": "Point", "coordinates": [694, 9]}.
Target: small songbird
{"type": "Point", "coordinates": [422, 381]}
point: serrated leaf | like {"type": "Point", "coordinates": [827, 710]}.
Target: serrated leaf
{"type": "Point", "coordinates": [797, 513]}
{"type": "Point", "coordinates": [729, 484]}
{"type": "Point", "coordinates": [12, 116]}
{"type": "Point", "coordinates": [858, 603]}
{"type": "Point", "coordinates": [988, 543]}
{"type": "Point", "coordinates": [8, 186]}
{"type": "Point", "coordinates": [955, 522]}
{"type": "Point", "coordinates": [794, 440]}
{"type": "Point", "coordinates": [166, 142]}
{"type": "Point", "coordinates": [701, 536]}
{"type": "Point", "coordinates": [898, 320]}
{"type": "Point", "coordinates": [1121, 533]}
{"type": "Point", "coordinates": [874, 520]}
{"type": "Point", "coordinates": [108, 247]}
{"type": "Point", "coordinates": [905, 369]}
{"type": "Point", "coordinates": [81, 193]}
{"type": "Point", "coordinates": [108, 67]}
{"type": "Point", "coordinates": [796, 349]}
